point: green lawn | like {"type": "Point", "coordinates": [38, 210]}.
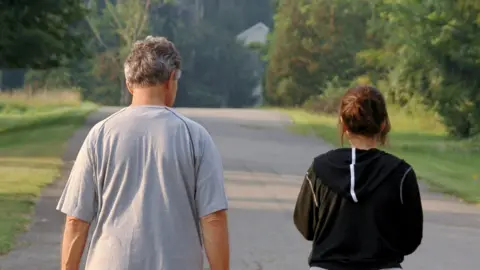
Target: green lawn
{"type": "Point", "coordinates": [31, 147]}
{"type": "Point", "coordinates": [447, 165]}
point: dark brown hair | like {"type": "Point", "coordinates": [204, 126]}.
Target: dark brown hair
{"type": "Point", "coordinates": [364, 112]}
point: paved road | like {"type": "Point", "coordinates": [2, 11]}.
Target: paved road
{"type": "Point", "coordinates": [264, 165]}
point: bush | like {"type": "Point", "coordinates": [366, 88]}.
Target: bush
{"type": "Point", "coordinates": [329, 101]}
{"type": "Point", "coordinates": [460, 110]}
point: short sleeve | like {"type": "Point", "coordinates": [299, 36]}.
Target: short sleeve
{"type": "Point", "coordinates": [210, 191]}
{"type": "Point", "coordinates": [79, 197]}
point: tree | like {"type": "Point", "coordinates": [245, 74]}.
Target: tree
{"type": "Point", "coordinates": [430, 50]}
{"type": "Point", "coordinates": [417, 51]}
{"type": "Point", "coordinates": [279, 70]}
{"type": "Point", "coordinates": [116, 29]}
{"type": "Point", "coordinates": [38, 34]}
{"type": "Point", "coordinates": [216, 70]}
{"type": "Point", "coordinates": [314, 42]}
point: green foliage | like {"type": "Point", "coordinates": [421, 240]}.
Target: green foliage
{"type": "Point", "coordinates": [40, 34]}
{"type": "Point", "coordinates": [329, 100]}
{"type": "Point", "coordinates": [217, 71]}
{"type": "Point", "coordinates": [416, 52]}
{"type": "Point", "coordinates": [314, 42]}
{"type": "Point", "coordinates": [431, 49]}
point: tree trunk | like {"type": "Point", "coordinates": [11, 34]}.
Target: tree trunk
{"type": "Point", "coordinates": [332, 18]}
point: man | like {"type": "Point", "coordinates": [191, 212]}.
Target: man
{"type": "Point", "coordinates": [151, 178]}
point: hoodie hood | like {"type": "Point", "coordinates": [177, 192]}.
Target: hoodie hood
{"type": "Point", "coordinates": [355, 173]}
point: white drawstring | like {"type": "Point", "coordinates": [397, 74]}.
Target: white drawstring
{"type": "Point", "coordinates": [352, 177]}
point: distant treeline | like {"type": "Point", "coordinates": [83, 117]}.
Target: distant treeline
{"type": "Point", "coordinates": [420, 53]}
{"type": "Point", "coordinates": [83, 43]}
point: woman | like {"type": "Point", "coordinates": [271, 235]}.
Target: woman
{"type": "Point", "coordinates": [360, 206]}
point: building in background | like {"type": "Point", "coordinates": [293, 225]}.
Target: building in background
{"type": "Point", "coordinates": [257, 34]}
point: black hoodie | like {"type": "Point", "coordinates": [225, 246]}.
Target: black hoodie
{"type": "Point", "coordinates": [361, 209]}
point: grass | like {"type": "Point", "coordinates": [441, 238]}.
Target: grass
{"type": "Point", "coordinates": [448, 165]}
{"type": "Point", "coordinates": [42, 98]}
{"type": "Point", "coordinates": [32, 141]}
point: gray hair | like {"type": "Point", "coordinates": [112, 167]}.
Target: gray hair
{"type": "Point", "coordinates": [151, 62]}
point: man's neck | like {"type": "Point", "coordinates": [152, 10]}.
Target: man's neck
{"type": "Point", "coordinates": [149, 96]}
{"type": "Point", "coordinates": [147, 102]}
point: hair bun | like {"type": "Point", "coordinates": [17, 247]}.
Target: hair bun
{"type": "Point", "coordinates": [363, 112]}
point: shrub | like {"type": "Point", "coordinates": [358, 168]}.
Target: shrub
{"type": "Point", "coordinates": [329, 100]}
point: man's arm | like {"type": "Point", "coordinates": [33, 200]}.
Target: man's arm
{"type": "Point", "coordinates": [74, 240]}
{"type": "Point", "coordinates": [216, 241]}
{"type": "Point", "coordinates": [212, 204]}
{"type": "Point", "coordinates": [79, 202]}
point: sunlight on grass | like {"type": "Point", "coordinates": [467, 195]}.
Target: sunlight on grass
{"type": "Point", "coordinates": [447, 164]}
{"type": "Point", "coordinates": [9, 121]}
{"type": "Point", "coordinates": [20, 185]}
{"type": "Point", "coordinates": [31, 147]}
{"type": "Point", "coordinates": [28, 161]}
{"type": "Point", "coordinates": [41, 98]}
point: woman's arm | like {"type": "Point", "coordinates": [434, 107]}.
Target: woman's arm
{"type": "Point", "coordinates": [306, 207]}
{"type": "Point", "coordinates": [413, 212]}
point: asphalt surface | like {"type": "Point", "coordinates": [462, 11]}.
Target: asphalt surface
{"type": "Point", "coordinates": [264, 165]}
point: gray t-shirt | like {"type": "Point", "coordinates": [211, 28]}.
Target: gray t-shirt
{"type": "Point", "coordinates": [136, 176]}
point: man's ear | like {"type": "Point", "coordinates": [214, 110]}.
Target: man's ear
{"type": "Point", "coordinates": [170, 81]}
{"type": "Point", "coordinates": [129, 89]}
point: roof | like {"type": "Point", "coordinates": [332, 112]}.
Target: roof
{"type": "Point", "coordinates": [255, 34]}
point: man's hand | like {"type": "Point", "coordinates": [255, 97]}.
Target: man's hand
{"type": "Point", "coordinates": [215, 238]}
{"type": "Point", "coordinates": [74, 239]}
